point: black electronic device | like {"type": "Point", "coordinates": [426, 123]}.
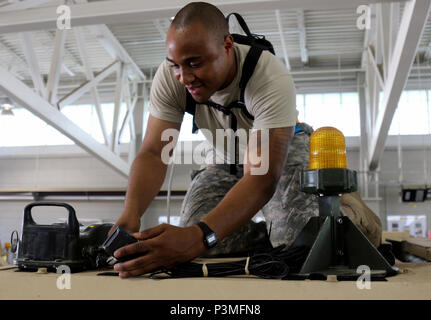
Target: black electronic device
{"type": "Point", "coordinates": [120, 237]}
{"type": "Point", "coordinates": [54, 245]}
{"type": "Point", "coordinates": [414, 194]}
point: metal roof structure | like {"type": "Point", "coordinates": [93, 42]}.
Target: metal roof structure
{"type": "Point", "coordinates": [114, 47]}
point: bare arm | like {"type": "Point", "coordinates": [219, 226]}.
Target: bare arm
{"type": "Point", "coordinates": [166, 245]}
{"type": "Point", "coordinates": [147, 174]}
{"type": "Point", "coordinates": [254, 190]}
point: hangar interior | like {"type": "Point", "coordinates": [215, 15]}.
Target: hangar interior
{"type": "Point", "coordinates": [74, 99]}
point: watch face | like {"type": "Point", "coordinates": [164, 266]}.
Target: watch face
{"type": "Point", "coordinates": [211, 240]}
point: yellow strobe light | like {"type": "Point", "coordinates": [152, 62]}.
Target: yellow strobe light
{"type": "Point", "coordinates": [327, 149]}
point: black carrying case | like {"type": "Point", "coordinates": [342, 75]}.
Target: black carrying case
{"type": "Point", "coordinates": [51, 246]}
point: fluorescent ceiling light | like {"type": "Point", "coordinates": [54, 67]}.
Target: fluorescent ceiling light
{"type": "Point", "coordinates": [7, 110]}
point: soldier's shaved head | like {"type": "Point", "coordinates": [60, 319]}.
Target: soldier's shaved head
{"type": "Point", "coordinates": [206, 14]}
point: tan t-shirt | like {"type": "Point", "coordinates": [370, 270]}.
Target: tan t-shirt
{"type": "Point", "coordinates": [269, 97]}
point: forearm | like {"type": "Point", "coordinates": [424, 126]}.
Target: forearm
{"type": "Point", "coordinates": [147, 174]}
{"type": "Point", "coordinates": [253, 191]}
{"type": "Point", "coordinates": [240, 204]}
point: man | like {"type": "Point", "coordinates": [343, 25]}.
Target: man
{"type": "Point", "coordinates": [203, 59]}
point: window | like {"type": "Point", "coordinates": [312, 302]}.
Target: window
{"type": "Point", "coordinates": [339, 110]}
{"type": "Point", "coordinates": [175, 220]}
{"type": "Point", "coordinates": [26, 129]}
{"type": "Point", "coordinates": [412, 116]}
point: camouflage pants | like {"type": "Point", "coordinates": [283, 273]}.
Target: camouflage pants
{"type": "Point", "coordinates": [285, 214]}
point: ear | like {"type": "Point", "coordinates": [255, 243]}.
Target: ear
{"type": "Point", "coordinates": [228, 42]}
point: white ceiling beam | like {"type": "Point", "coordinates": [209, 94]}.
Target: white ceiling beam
{"type": "Point", "coordinates": [393, 28]}
{"type": "Point", "coordinates": [411, 28]}
{"type": "Point", "coordinates": [33, 64]}
{"type": "Point", "coordinates": [66, 69]}
{"type": "Point", "coordinates": [21, 5]}
{"type": "Point", "coordinates": [283, 42]}
{"type": "Point", "coordinates": [368, 36]}
{"type": "Point", "coordinates": [56, 62]}
{"type": "Point", "coordinates": [90, 77]}
{"type": "Point", "coordinates": [385, 29]}
{"type": "Point", "coordinates": [86, 86]}
{"type": "Point", "coordinates": [67, 51]}
{"type": "Point", "coordinates": [12, 65]}
{"type": "Point", "coordinates": [129, 11]}
{"type": "Point", "coordinates": [128, 117]}
{"type": "Point", "coordinates": [11, 51]}
{"type": "Point", "coordinates": [162, 25]}
{"type": "Point", "coordinates": [116, 50]}
{"type": "Point", "coordinates": [302, 36]}
{"type": "Point", "coordinates": [26, 97]}
{"type": "Point", "coordinates": [325, 70]}
{"type": "Point", "coordinates": [377, 71]}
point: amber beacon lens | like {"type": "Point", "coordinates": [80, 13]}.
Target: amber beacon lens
{"type": "Point", "coordinates": [327, 149]}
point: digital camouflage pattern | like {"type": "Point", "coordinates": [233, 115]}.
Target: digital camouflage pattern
{"type": "Point", "coordinates": [290, 209]}
{"type": "Point", "coordinates": [209, 186]}
{"type": "Point", "coordinates": [285, 214]}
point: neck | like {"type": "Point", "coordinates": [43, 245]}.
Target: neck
{"type": "Point", "coordinates": [232, 72]}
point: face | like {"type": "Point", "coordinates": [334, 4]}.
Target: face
{"type": "Point", "coordinates": [201, 63]}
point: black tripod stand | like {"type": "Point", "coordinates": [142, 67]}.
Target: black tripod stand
{"type": "Point", "coordinates": [336, 246]}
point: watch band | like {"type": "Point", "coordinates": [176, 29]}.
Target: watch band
{"type": "Point", "coordinates": [210, 237]}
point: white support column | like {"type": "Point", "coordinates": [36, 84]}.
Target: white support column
{"type": "Point", "coordinates": [363, 166]}
{"type": "Point", "coordinates": [138, 119]}
{"type": "Point", "coordinates": [377, 71]}
{"type": "Point", "coordinates": [128, 117]}
{"type": "Point", "coordinates": [283, 42]}
{"type": "Point", "coordinates": [370, 85]}
{"type": "Point", "coordinates": [117, 100]}
{"type": "Point", "coordinates": [302, 36]}
{"type": "Point", "coordinates": [76, 93]}
{"type": "Point", "coordinates": [33, 64]}
{"type": "Point", "coordinates": [393, 28]}
{"type": "Point", "coordinates": [90, 77]}
{"type": "Point", "coordinates": [384, 28]}
{"type": "Point", "coordinates": [56, 62]}
{"type": "Point", "coordinates": [27, 98]}
{"type": "Point", "coordinates": [411, 28]}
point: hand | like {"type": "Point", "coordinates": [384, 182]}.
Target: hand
{"type": "Point", "coordinates": [129, 222]}
{"type": "Point", "coordinates": [162, 247]}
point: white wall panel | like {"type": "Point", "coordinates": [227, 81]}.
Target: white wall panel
{"type": "Point", "coordinates": [76, 170]}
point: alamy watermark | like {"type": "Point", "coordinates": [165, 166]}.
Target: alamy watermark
{"type": "Point", "coordinates": [364, 280]}
{"type": "Point", "coordinates": [364, 20]}
{"type": "Point", "coordinates": [64, 281]}
{"type": "Point", "coordinates": [257, 151]}
{"type": "Point", "coordinates": [63, 20]}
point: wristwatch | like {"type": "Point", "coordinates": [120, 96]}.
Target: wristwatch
{"type": "Point", "coordinates": [210, 237]}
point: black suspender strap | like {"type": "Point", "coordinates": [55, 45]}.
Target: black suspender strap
{"type": "Point", "coordinates": [249, 66]}
{"type": "Point", "coordinates": [242, 23]}
{"type": "Point", "coordinates": [191, 109]}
